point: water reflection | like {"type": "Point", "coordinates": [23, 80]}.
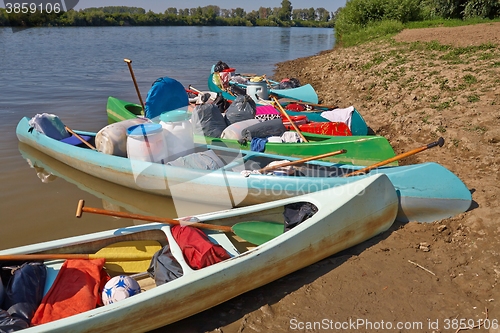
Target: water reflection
{"type": "Point", "coordinates": [114, 197]}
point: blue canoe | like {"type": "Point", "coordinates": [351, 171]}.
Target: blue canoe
{"type": "Point", "coordinates": [427, 192]}
{"type": "Point", "coordinates": [358, 124]}
{"type": "Point", "coordinates": [305, 93]}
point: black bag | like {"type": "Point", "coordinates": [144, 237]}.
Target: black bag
{"type": "Point", "coordinates": [242, 108]}
{"type": "Point", "coordinates": [24, 291]}
{"type": "Point", "coordinates": [289, 84]}
{"type": "Point", "coordinates": [220, 66]}
{"type": "Point", "coordinates": [163, 267]}
{"type": "Point", "coordinates": [297, 213]}
{"type": "Point", "coordinates": [264, 129]}
{"type": "Point", "coordinates": [11, 324]}
{"type": "Point", "coordinates": [208, 121]}
{"type": "Point", "coordinates": [235, 90]}
{"type": "Point", "coordinates": [221, 102]}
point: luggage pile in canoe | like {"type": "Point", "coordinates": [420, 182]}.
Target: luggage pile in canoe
{"type": "Point", "coordinates": [172, 287]}
{"type": "Point", "coordinates": [361, 149]}
{"type": "Point", "coordinates": [168, 94]}
{"type": "Point", "coordinates": [233, 177]}
{"type": "Point", "coordinates": [225, 79]}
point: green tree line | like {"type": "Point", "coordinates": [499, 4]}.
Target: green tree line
{"type": "Point", "coordinates": [285, 15]}
{"type": "Point", "coordinates": [379, 17]}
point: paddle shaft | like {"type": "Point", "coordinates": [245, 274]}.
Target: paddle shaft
{"type": "Point", "coordinates": [439, 143]}
{"type": "Point", "coordinates": [129, 63]}
{"type": "Point", "coordinates": [283, 112]}
{"type": "Point", "coordinates": [194, 89]}
{"type": "Point", "coordinates": [81, 208]}
{"type": "Point", "coordinates": [342, 151]}
{"type": "Point", "coordinates": [80, 138]}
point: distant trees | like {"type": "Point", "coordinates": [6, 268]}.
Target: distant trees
{"type": "Point", "coordinates": [285, 12]}
{"type": "Point", "coordinates": [208, 15]}
{"type": "Point", "coordinates": [361, 14]}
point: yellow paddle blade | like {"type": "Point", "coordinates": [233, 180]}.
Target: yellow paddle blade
{"type": "Point", "coordinates": [128, 256]}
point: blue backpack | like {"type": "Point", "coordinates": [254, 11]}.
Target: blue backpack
{"type": "Point", "coordinates": [166, 94]}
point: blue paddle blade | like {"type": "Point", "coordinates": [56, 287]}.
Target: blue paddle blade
{"type": "Point", "coordinates": [258, 232]}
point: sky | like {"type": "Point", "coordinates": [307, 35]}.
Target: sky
{"type": "Point", "coordinates": [159, 6]}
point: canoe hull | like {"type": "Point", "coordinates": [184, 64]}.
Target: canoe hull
{"type": "Point", "coordinates": [343, 220]}
{"type": "Point", "coordinates": [419, 186]}
{"type": "Point", "coordinates": [305, 93]}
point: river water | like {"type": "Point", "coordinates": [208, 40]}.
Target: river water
{"type": "Point", "coordinates": [71, 72]}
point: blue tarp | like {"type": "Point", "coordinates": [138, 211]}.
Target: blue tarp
{"type": "Point", "coordinates": [166, 94]}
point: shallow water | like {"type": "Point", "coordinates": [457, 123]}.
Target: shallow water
{"type": "Point", "coordinates": [71, 72]}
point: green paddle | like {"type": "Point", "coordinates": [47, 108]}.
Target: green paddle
{"type": "Point", "coordinates": [127, 256]}
{"type": "Point", "coordinates": [258, 232]}
{"type": "Point", "coordinates": [255, 232]}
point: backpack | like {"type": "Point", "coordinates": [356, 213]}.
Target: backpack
{"type": "Point", "coordinates": [24, 291]}
{"type": "Point", "coordinates": [166, 94]}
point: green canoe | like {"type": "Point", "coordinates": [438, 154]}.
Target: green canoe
{"type": "Point", "coordinates": [361, 149]}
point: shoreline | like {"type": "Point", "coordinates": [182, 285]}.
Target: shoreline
{"type": "Point", "coordinates": [412, 93]}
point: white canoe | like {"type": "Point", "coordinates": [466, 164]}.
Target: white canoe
{"type": "Point", "coordinates": [347, 215]}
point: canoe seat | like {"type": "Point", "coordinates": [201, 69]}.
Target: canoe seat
{"type": "Point", "coordinates": [222, 240]}
{"type": "Point", "coordinates": [74, 141]}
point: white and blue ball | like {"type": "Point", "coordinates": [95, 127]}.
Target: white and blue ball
{"type": "Point", "coordinates": [118, 288]}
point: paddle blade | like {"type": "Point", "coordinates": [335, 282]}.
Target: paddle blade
{"type": "Point", "coordinates": [258, 232]}
{"type": "Point", "coordinates": [129, 256]}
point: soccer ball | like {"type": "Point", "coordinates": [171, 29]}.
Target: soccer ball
{"type": "Point", "coordinates": [118, 288]}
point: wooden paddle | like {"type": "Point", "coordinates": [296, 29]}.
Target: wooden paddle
{"type": "Point", "coordinates": [307, 159]}
{"type": "Point", "coordinates": [128, 256]}
{"type": "Point", "coordinates": [283, 112]}
{"type": "Point", "coordinates": [256, 232]}
{"type": "Point", "coordinates": [439, 142]}
{"type": "Point", "coordinates": [194, 89]}
{"type": "Point", "coordinates": [80, 138]}
{"type": "Point", "coordinates": [129, 63]}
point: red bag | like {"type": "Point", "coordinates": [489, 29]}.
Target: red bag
{"type": "Point", "coordinates": [197, 249]}
{"type": "Point", "coordinates": [295, 107]}
{"type": "Point", "coordinates": [76, 289]}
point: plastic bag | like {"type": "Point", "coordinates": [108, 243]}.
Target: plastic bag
{"type": "Point", "coordinates": [242, 108]}
{"type": "Point", "coordinates": [50, 125]}
{"type": "Point", "coordinates": [208, 121]}
{"type": "Point", "coordinates": [297, 213]}
{"type": "Point", "coordinates": [9, 323]}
